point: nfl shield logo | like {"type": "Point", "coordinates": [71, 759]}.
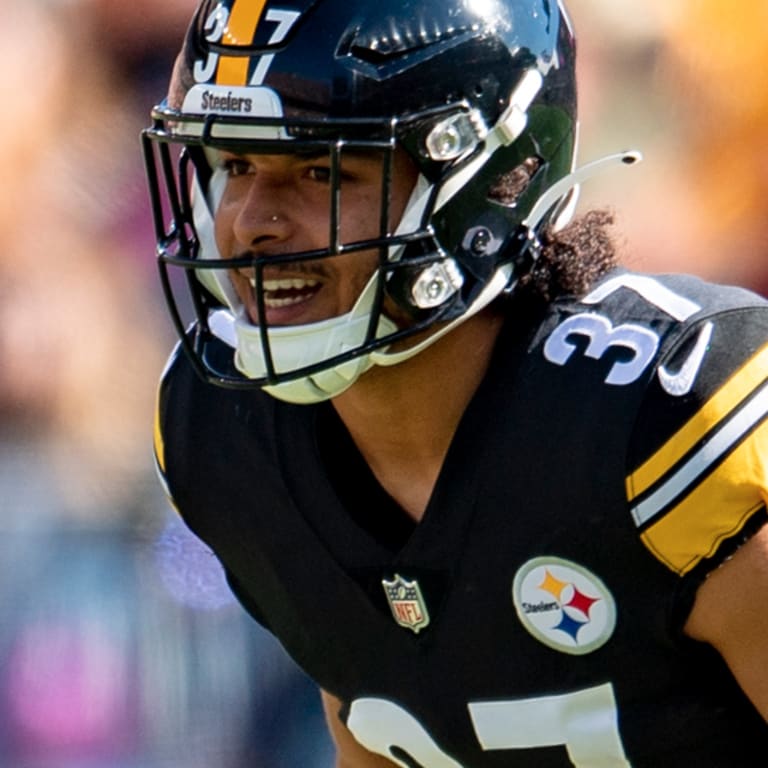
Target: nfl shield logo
{"type": "Point", "coordinates": [407, 604]}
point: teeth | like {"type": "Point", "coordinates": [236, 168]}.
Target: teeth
{"type": "Point", "coordinates": [296, 284]}
{"type": "Point", "coordinates": [278, 303]}
{"type": "Point", "coordinates": [287, 284]}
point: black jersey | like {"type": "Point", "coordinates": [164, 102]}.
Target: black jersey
{"type": "Point", "coordinates": [613, 455]}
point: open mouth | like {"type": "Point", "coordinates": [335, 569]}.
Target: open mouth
{"type": "Point", "coordinates": [288, 291]}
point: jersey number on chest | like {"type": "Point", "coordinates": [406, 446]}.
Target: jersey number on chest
{"type": "Point", "coordinates": [584, 722]}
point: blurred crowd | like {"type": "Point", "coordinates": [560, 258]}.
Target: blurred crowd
{"type": "Point", "coordinates": [120, 646]}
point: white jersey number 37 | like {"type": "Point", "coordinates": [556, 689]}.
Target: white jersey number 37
{"type": "Point", "coordinates": [639, 342]}
{"type": "Point", "coordinates": [584, 722]}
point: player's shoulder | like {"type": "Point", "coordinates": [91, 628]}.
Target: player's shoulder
{"type": "Point", "coordinates": [631, 325]}
{"type": "Point", "coordinates": [179, 390]}
{"type": "Point", "coordinates": [178, 393]}
{"type": "Point", "coordinates": [194, 418]}
{"type": "Point", "coordinates": [697, 457]}
{"type": "Point", "coordinates": [709, 339]}
{"type": "Point", "coordinates": [686, 332]}
{"type": "Point", "coordinates": [184, 391]}
{"type": "Point", "coordinates": [683, 298]}
{"type": "Point", "coordinates": [679, 367]}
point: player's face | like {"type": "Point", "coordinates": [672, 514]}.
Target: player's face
{"type": "Point", "coordinates": [279, 204]}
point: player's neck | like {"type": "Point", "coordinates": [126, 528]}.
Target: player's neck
{"type": "Point", "coordinates": [403, 418]}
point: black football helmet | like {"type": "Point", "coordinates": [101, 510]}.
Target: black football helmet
{"type": "Point", "coordinates": [470, 89]}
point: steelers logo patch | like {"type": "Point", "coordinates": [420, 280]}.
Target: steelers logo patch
{"type": "Point", "coordinates": [563, 605]}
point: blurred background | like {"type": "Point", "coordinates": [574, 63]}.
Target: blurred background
{"type": "Point", "coordinates": [120, 646]}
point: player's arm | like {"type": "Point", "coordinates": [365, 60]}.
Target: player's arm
{"type": "Point", "coordinates": [349, 752]}
{"type": "Point", "coordinates": [731, 614]}
{"type": "Point", "coordinates": [699, 484]}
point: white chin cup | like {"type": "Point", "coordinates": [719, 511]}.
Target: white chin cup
{"type": "Point", "coordinates": [295, 347]}
{"type": "Point", "coordinates": [298, 346]}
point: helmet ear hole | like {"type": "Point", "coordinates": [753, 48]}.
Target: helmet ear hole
{"type": "Point", "coordinates": [509, 186]}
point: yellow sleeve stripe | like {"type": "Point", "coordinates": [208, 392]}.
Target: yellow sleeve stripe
{"type": "Point", "coordinates": [731, 433]}
{"type": "Point", "coordinates": [158, 438]}
{"type": "Point", "coordinates": [740, 385]}
{"type": "Point", "coordinates": [160, 458]}
{"type": "Point", "coordinates": [715, 510]}
{"type": "Point", "coordinates": [241, 27]}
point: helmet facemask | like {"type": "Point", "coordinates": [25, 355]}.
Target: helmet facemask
{"type": "Point", "coordinates": [327, 354]}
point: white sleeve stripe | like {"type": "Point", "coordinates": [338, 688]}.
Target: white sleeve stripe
{"type": "Point", "coordinates": [730, 433]}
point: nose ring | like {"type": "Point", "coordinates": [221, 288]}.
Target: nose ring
{"type": "Point", "coordinates": [273, 217]}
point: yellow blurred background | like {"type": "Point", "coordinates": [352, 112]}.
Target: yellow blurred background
{"type": "Point", "coordinates": [119, 644]}
{"type": "Point", "coordinates": [685, 82]}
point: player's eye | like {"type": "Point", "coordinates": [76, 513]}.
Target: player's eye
{"type": "Point", "coordinates": [319, 173]}
{"type": "Point", "coordinates": [235, 166]}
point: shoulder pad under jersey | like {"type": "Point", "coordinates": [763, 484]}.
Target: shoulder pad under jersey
{"type": "Point", "coordinates": [697, 471]}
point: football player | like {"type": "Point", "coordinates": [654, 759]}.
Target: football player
{"type": "Point", "coordinates": [504, 501]}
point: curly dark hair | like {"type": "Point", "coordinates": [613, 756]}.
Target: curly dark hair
{"type": "Point", "coordinates": [573, 258]}
{"type": "Point", "coordinates": [570, 259]}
